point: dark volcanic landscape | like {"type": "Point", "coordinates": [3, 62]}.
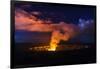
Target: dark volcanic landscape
{"type": "Point", "coordinates": [23, 57]}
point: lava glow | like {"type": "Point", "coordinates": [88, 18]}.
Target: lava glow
{"type": "Point", "coordinates": [55, 39]}
{"type": "Point", "coordinates": [52, 46]}
{"type": "Point", "coordinates": [60, 31]}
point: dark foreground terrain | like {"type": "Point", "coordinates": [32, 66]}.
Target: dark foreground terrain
{"type": "Point", "coordinates": [23, 57]}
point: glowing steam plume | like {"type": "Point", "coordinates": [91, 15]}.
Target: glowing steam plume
{"type": "Point", "coordinates": [60, 31]}
{"type": "Point", "coordinates": [55, 39]}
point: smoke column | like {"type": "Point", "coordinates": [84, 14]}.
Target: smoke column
{"type": "Point", "coordinates": [60, 31]}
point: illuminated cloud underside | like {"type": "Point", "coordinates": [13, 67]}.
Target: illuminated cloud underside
{"type": "Point", "coordinates": [29, 22]}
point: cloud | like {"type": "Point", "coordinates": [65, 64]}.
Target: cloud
{"type": "Point", "coordinates": [29, 22]}
{"type": "Point", "coordinates": [36, 13]}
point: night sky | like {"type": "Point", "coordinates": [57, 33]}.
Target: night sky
{"type": "Point", "coordinates": [58, 12]}
{"type": "Point", "coordinates": [55, 14]}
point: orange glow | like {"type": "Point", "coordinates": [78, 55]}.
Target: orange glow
{"type": "Point", "coordinates": [60, 31]}
{"type": "Point", "coordinates": [52, 47]}
{"type": "Point", "coordinates": [55, 39]}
